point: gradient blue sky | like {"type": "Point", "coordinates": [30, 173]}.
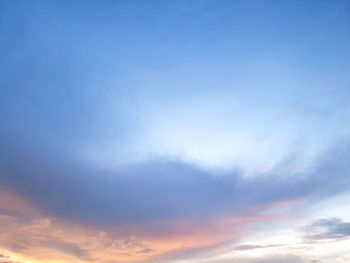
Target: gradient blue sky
{"type": "Point", "coordinates": [175, 131]}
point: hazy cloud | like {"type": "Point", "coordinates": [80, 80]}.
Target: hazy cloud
{"type": "Point", "coordinates": [250, 247]}
{"type": "Point", "coordinates": [265, 259]}
{"type": "Point", "coordinates": [325, 229]}
{"type": "Point", "coordinates": [7, 259]}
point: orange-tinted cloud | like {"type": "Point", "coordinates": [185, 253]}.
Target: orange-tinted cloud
{"type": "Point", "coordinates": [29, 235]}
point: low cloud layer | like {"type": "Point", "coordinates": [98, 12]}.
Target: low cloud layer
{"type": "Point", "coordinates": [159, 190]}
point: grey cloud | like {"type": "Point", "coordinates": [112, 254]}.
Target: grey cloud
{"type": "Point", "coordinates": [279, 259]}
{"type": "Point", "coordinates": [156, 190]}
{"type": "Point", "coordinates": [325, 229]}
{"type": "Point", "coordinates": [267, 259]}
{"type": "Point", "coordinates": [250, 247]}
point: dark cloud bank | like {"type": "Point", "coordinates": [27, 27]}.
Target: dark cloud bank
{"type": "Point", "coordinates": [157, 190]}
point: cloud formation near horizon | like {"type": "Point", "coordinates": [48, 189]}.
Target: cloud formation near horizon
{"type": "Point", "coordinates": [161, 200]}
{"type": "Point", "coordinates": [161, 189]}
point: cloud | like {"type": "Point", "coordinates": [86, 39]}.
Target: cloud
{"type": "Point", "coordinates": [275, 258]}
{"type": "Point", "coordinates": [250, 247]}
{"type": "Point", "coordinates": [327, 229]}
{"type": "Point", "coordinates": [67, 102]}
{"type": "Point", "coordinates": [47, 239]}
{"type": "Point", "coordinates": [158, 190]}
{"type": "Point", "coordinates": [71, 249]}
{"type": "Point", "coordinates": [7, 259]}
{"type": "Point", "coordinates": [173, 208]}
{"type": "Point", "coordinates": [278, 259]}
{"type": "Point", "coordinates": [265, 259]}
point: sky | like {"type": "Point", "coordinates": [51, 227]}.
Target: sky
{"type": "Point", "coordinates": [194, 131]}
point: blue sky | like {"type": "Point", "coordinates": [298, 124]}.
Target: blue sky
{"type": "Point", "coordinates": [164, 131]}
